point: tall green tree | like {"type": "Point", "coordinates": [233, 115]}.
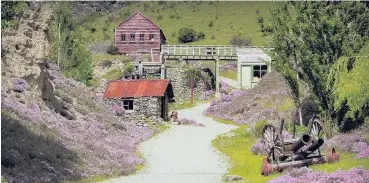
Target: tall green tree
{"type": "Point", "coordinates": [309, 37]}
{"type": "Point", "coordinates": [69, 49]}
{"type": "Point", "coordinates": [192, 74]}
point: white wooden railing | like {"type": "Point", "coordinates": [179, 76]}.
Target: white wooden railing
{"type": "Point", "coordinates": [201, 50]}
{"type": "Point", "coordinates": [204, 50]}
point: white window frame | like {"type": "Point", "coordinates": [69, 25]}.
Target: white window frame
{"type": "Point", "coordinates": [126, 105]}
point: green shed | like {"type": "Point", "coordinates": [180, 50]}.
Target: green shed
{"type": "Point", "coordinates": [253, 63]}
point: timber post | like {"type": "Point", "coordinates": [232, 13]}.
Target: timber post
{"type": "Point", "coordinates": [217, 93]}
{"type": "Point", "coordinates": [162, 67]}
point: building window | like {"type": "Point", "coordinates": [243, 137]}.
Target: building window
{"type": "Point", "coordinates": [132, 37]}
{"type": "Point", "coordinates": [128, 104]}
{"type": "Point", "coordinates": [260, 71]}
{"type": "Point", "coordinates": [142, 37]}
{"type": "Point", "coordinates": [123, 37]}
{"type": "Point", "coordinates": [151, 37]}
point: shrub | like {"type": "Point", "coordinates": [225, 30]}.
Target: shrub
{"type": "Point", "coordinates": [240, 41]}
{"type": "Point", "coordinates": [19, 85]}
{"type": "Point", "coordinates": [113, 74]}
{"type": "Point", "coordinates": [119, 110]}
{"type": "Point", "coordinates": [258, 128]}
{"type": "Point", "coordinates": [258, 148]}
{"type": "Point", "coordinates": [211, 24]}
{"type": "Point", "coordinates": [112, 50]}
{"type": "Point", "coordinates": [106, 63]}
{"type": "Point", "coordinates": [299, 130]}
{"type": "Point", "coordinates": [129, 68]}
{"type": "Point", "coordinates": [201, 35]}
{"type": "Point", "coordinates": [359, 175]}
{"type": "Point", "coordinates": [11, 11]}
{"type": "Point", "coordinates": [160, 17]}
{"type": "Point", "coordinates": [186, 35]}
{"type": "Point", "coordinates": [178, 16]}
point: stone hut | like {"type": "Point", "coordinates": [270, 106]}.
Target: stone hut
{"type": "Point", "coordinates": [141, 97]}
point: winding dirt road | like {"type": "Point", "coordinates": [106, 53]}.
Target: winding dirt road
{"type": "Point", "coordinates": [182, 154]}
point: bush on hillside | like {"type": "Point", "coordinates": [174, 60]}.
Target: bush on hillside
{"type": "Point", "coordinates": [240, 41]}
{"type": "Point", "coordinates": [119, 110]}
{"type": "Point", "coordinates": [186, 35]}
{"type": "Point", "coordinates": [359, 175]}
{"type": "Point", "coordinates": [257, 130]}
{"type": "Point", "coordinates": [211, 23]}
{"type": "Point", "coordinates": [106, 63]}
{"type": "Point", "coordinates": [258, 147]}
{"type": "Point", "coordinates": [112, 50]}
{"type": "Point", "coordinates": [11, 11]}
{"type": "Point", "coordinates": [201, 35]}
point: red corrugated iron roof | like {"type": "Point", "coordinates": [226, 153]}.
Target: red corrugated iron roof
{"type": "Point", "coordinates": [136, 88]}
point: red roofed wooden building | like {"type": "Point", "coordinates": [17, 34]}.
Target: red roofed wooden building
{"type": "Point", "coordinates": [141, 96]}
{"type": "Point", "coordinates": [138, 35]}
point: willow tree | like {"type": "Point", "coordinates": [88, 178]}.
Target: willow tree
{"type": "Point", "coordinates": [349, 82]}
{"type": "Point", "coordinates": [309, 37]}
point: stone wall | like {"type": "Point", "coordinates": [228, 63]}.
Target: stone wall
{"type": "Point", "coordinates": [150, 106]}
{"type": "Point", "coordinates": [181, 87]}
{"type": "Point", "coordinates": [144, 108]}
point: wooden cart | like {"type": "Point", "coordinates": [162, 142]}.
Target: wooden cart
{"type": "Point", "coordinates": [284, 153]}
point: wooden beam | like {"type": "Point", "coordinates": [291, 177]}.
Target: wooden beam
{"type": "Point", "coordinates": [217, 80]}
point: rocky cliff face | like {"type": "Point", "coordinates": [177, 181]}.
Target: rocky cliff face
{"type": "Point", "coordinates": [54, 128]}
{"type": "Point", "coordinates": [24, 49]}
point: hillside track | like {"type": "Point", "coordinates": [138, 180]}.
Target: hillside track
{"type": "Point", "coordinates": [182, 154]}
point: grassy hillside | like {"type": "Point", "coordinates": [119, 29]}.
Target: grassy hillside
{"type": "Point", "coordinates": [229, 19]}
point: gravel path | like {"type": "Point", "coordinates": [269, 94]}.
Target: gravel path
{"type": "Point", "coordinates": [230, 82]}
{"type": "Point", "coordinates": [183, 154]}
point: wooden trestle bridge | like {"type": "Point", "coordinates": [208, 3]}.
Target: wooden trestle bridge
{"type": "Point", "coordinates": [198, 53]}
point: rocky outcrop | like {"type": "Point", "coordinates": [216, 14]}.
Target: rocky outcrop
{"type": "Point", "coordinates": [55, 129]}
{"type": "Point", "coordinates": [28, 46]}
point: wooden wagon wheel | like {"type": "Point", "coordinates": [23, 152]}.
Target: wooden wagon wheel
{"type": "Point", "coordinates": [316, 129]}
{"type": "Point", "coordinates": [273, 144]}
